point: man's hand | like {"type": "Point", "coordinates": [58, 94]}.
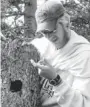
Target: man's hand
{"type": "Point", "coordinates": [47, 70]}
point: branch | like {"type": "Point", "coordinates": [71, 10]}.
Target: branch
{"type": "Point", "coordinates": [13, 14]}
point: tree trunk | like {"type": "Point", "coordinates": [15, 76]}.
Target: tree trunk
{"type": "Point", "coordinates": [20, 80]}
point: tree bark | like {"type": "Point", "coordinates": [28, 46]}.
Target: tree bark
{"type": "Point", "coordinates": [20, 80]}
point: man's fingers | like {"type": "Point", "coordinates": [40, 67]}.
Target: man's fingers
{"type": "Point", "coordinates": [43, 67]}
{"type": "Point", "coordinates": [33, 62]}
{"type": "Point", "coordinates": [47, 63]}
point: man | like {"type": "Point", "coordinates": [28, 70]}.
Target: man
{"type": "Point", "coordinates": [66, 59]}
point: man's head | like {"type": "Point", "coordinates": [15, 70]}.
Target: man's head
{"type": "Point", "coordinates": [47, 15]}
{"type": "Point", "coordinates": [53, 21]}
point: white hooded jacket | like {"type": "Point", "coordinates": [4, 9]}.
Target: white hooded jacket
{"type": "Point", "coordinates": [73, 62]}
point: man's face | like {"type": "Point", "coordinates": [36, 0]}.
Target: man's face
{"type": "Point", "coordinates": [57, 36]}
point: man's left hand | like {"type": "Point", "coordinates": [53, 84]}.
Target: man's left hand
{"type": "Point", "coordinates": [47, 70]}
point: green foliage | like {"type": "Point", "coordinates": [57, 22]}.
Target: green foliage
{"type": "Point", "coordinates": [11, 9]}
{"type": "Point", "coordinates": [4, 5]}
{"type": "Point", "coordinates": [13, 2]}
{"type": "Point", "coordinates": [80, 17]}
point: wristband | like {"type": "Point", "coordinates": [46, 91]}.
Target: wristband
{"type": "Point", "coordinates": [55, 81]}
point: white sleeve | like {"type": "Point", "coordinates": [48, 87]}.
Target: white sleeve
{"type": "Point", "coordinates": [77, 95]}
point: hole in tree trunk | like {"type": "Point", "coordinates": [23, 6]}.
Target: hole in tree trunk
{"type": "Point", "coordinates": [15, 86]}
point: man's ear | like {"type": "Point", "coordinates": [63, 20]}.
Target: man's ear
{"type": "Point", "coordinates": [67, 17]}
{"type": "Point", "coordinates": [65, 20]}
